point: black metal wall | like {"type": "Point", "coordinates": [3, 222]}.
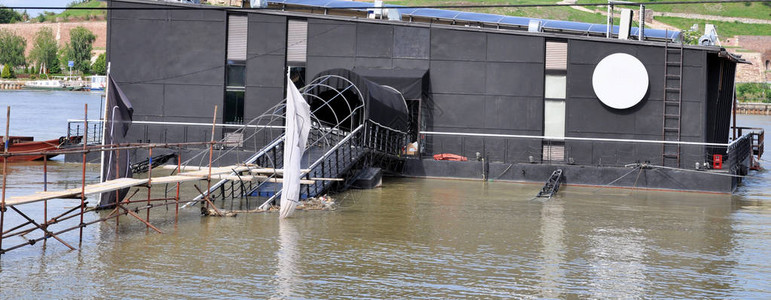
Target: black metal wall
{"type": "Point", "coordinates": [170, 63]}
{"type": "Point", "coordinates": [481, 81]}
{"type": "Point", "coordinates": [588, 117]}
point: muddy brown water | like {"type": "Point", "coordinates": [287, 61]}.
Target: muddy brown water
{"type": "Point", "coordinates": [412, 238]}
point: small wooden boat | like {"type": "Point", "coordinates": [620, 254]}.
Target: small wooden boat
{"type": "Point", "coordinates": [27, 144]}
{"type": "Point", "coordinates": [450, 156]}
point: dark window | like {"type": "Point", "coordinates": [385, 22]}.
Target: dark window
{"type": "Point", "coordinates": [297, 74]}
{"type": "Point", "coordinates": [236, 74]}
{"type": "Point", "coordinates": [234, 107]}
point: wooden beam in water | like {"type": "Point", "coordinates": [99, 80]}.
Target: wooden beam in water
{"type": "Point", "coordinates": [121, 183]}
{"type": "Point", "coordinates": [103, 187]}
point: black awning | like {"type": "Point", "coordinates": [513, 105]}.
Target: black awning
{"type": "Point", "coordinates": [413, 84]}
{"type": "Point", "coordinates": [382, 105]}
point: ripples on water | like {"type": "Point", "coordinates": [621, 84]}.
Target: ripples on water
{"type": "Point", "coordinates": [417, 238]}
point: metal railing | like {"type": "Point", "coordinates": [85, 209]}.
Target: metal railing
{"type": "Point", "coordinates": [758, 138]}
{"type": "Point", "coordinates": [340, 159]}
{"type": "Point", "coordinates": [79, 128]}
{"type": "Point", "coordinates": [739, 155]}
{"type": "Point", "coordinates": [513, 148]}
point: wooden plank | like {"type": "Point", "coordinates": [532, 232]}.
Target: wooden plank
{"type": "Point", "coordinates": [90, 189]}
{"type": "Point", "coordinates": [121, 183]}
{"type": "Point", "coordinates": [271, 171]}
{"type": "Point", "coordinates": [259, 178]}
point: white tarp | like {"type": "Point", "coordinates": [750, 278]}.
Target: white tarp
{"type": "Point", "coordinates": [298, 125]}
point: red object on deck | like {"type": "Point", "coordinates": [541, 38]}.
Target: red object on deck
{"type": "Point", "coordinates": [717, 161]}
{"type": "Point", "coordinates": [27, 144]}
{"type": "Point", "coordinates": [449, 156]}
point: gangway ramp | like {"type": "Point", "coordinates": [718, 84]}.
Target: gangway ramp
{"type": "Point", "coordinates": [356, 124]}
{"type": "Point", "coordinates": [122, 183]}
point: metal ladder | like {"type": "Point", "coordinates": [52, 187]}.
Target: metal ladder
{"type": "Point", "coordinates": [673, 101]}
{"type": "Point", "coordinates": [552, 185]}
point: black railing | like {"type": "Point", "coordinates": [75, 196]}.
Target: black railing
{"type": "Point", "coordinates": [739, 155]}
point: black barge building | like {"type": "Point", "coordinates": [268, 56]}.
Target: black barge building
{"type": "Point", "coordinates": [518, 103]}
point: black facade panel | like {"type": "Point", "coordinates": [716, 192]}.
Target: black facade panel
{"type": "Point", "coordinates": [411, 42]}
{"type": "Point", "coordinates": [147, 100]}
{"type": "Point", "coordinates": [453, 112]}
{"type": "Point", "coordinates": [513, 48]}
{"type": "Point", "coordinates": [259, 99]}
{"type": "Point", "coordinates": [589, 117]}
{"type": "Point", "coordinates": [458, 45]}
{"type": "Point", "coordinates": [411, 64]}
{"type": "Point", "coordinates": [373, 63]}
{"type": "Point", "coordinates": [691, 121]}
{"type": "Point", "coordinates": [513, 113]}
{"type": "Point", "coordinates": [331, 38]}
{"type": "Point", "coordinates": [133, 52]}
{"type": "Point", "coordinates": [590, 52]}
{"type": "Point", "coordinates": [458, 77]}
{"type": "Point", "coordinates": [374, 40]}
{"type": "Point", "coordinates": [189, 63]}
{"type": "Point", "coordinates": [194, 15]}
{"type": "Point", "coordinates": [318, 64]}
{"type": "Point", "coordinates": [693, 84]}
{"type": "Point", "coordinates": [648, 119]}
{"type": "Point", "coordinates": [265, 71]}
{"type": "Point", "coordinates": [191, 101]}
{"type": "Point", "coordinates": [267, 35]}
{"type": "Point", "coordinates": [143, 11]}
{"type": "Point", "coordinates": [514, 79]}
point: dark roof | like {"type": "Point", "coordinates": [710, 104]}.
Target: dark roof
{"type": "Point", "coordinates": [453, 15]}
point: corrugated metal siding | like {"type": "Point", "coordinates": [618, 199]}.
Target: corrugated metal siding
{"type": "Point", "coordinates": [556, 56]}
{"type": "Point", "coordinates": [237, 35]}
{"type": "Point", "coordinates": [297, 41]}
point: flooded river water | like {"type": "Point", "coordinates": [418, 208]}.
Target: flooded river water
{"type": "Point", "coordinates": [413, 238]}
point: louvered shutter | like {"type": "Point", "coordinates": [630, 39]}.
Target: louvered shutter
{"type": "Point", "coordinates": [237, 34]}
{"type": "Point", "coordinates": [556, 56]}
{"type": "Point", "coordinates": [297, 41]}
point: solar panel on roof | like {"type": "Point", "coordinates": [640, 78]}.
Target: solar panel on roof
{"type": "Point", "coordinates": [520, 21]}
{"type": "Point", "coordinates": [452, 15]}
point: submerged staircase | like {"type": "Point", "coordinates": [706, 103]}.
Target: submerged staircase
{"type": "Point", "coordinates": [673, 104]}
{"type": "Point", "coordinates": [552, 185]}
{"type": "Point", "coordinates": [354, 152]}
{"type": "Point", "coordinates": [335, 155]}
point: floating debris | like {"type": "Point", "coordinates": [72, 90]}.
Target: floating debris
{"type": "Point", "coordinates": [318, 203]}
{"type": "Point", "coordinates": [210, 212]}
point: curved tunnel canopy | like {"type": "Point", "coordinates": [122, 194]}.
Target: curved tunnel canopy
{"type": "Point", "coordinates": [383, 105]}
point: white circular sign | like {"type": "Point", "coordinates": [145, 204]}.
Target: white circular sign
{"type": "Point", "coordinates": [620, 80]}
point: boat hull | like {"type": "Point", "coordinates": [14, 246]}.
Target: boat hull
{"type": "Point", "coordinates": [21, 145]}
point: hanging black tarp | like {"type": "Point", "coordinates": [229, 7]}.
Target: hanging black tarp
{"type": "Point", "coordinates": [382, 105]}
{"type": "Point", "coordinates": [411, 83]}
{"type": "Point", "coordinates": [116, 162]}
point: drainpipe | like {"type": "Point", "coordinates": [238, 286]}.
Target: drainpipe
{"type": "Point", "coordinates": [609, 30]}
{"type": "Point", "coordinates": [641, 32]}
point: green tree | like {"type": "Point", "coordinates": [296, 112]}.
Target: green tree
{"type": "Point", "coordinates": [44, 50]}
{"type": "Point", "coordinates": [8, 15]}
{"type": "Point", "coordinates": [100, 65]}
{"type": "Point", "coordinates": [7, 73]}
{"type": "Point", "coordinates": [11, 48]}
{"type": "Point", "coordinates": [79, 48]}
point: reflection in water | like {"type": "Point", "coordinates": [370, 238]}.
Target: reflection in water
{"type": "Point", "coordinates": [553, 253]}
{"type": "Point", "coordinates": [616, 257]}
{"type": "Point", "coordinates": [424, 239]}
{"type": "Point", "coordinates": [288, 254]}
